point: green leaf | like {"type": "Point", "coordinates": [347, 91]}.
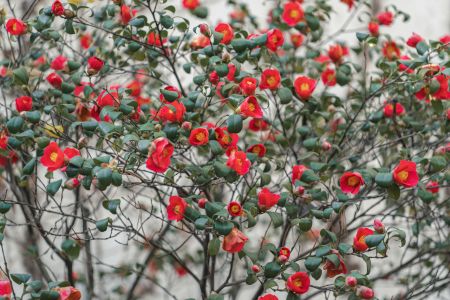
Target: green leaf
{"type": "Point", "coordinates": [362, 36]}
{"type": "Point", "coordinates": [344, 248]}
{"type": "Point", "coordinates": [285, 95]}
{"type": "Point", "coordinates": [200, 12]}
{"type": "Point", "coordinates": [240, 45]}
{"type": "Point", "coordinates": [309, 176]}
{"type": "Point", "coordinates": [20, 76]}
{"type": "Point", "coordinates": [272, 269]}
{"type": "Point", "coordinates": [312, 263]}
{"type": "Point", "coordinates": [393, 192]}
{"type": "Point", "coordinates": [334, 259]}
{"type": "Point", "coordinates": [438, 163]}
{"type": "Point", "coordinates": [71, 248]}
{"type": "Point", "coordinates": [104, 176]}
{"type": "Point", "coordinates": [28, 169]}
{"type": "Point", "coordinates": [4, 207]}
{"type": "Point", "coordinates": [15, 124]}
{"type": "Point", "coordinates": [323, 250]}
{"type": "Point", "coordinates": [330, 235]}
{"type": "Point", "coordinates": [166, 21]}
{"type": "Point", "coordinates": [221, 69]}
{"type": "Point", "coordinates": [374, 239]}
{"type": "Point", "coordinates": [111, 205]}
{"type": "Point", "coordinates": [138, 22]}
{"type": "Point", "coordinates": [400, 235]}
{"type": "Point", "coordinates": [305, 224]}
{"type": "Point", "coordinates": [213, 246]}
{"type": "Point", "coordinates": [422, 47]}
{"type": "Point", "coordinates": [49, 295]}
{"type": "Point", "coordinates": [277, 218]}
{"type": "Point", "coordinates": [384, 179]}
{"type": "Point", "coordinates": [20, 278]}
{"type": "Point", "coordinates": [102, 225]}
{"type": "Point", "coordinates": [368, 262]}
{"type": "Point", "coordinates": [223, 228]}
{"type": "Point", "coordinates": [234, 123]}
{"type": "Point", "coordinates": [53, 187]}
{"type": "Point", "coordinates": [170, 96]}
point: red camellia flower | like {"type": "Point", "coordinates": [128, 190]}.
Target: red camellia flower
{"type": "Point", "coordinates": [24, 103]}
{"type": "Point", "coordinates": [329, 77]}
{"type": "Point", "coordinates": [5, 288]}
{"type": "Point", "coordinates": [125, 14]}
{"type": "Point", "coordinates": [445, 39]}
{"type": "Point", "coordinates": [275, 39]}
{"type": "Point", "coordinates": [365, 292]}
{"type": "Point", "coordinates": [389, 110]}
{"type": "Point", "coordinates": [359, 242]}
{"type": "Point", "coordinates": [433, 187]}
{"type": "Point", "coordinates": [59, 63]}
{"type": "Point", "coordinates": [270, 79]}
{"type": "Point", "coordinates": [239, 162]}
{"type": "Point", "coordinates": [53, 157]}
{"type": "Point", "coordinates": [191, 4]}
{"type": "Point", "coordinates": [349, 3]}
{"type": "Point", "coordinates": [268, 297]}
{"type": "Point", "coordinates": [160, 153]}
{"type": "Point", "coordinates": [374, 28]}
{"type": "Point", "coordinates": [153, 39]}
{"type": "Point", "coordinates": [297, 39]}
{"type": "Point", "coordinates": [304, 87]}
{"type": "Point", "coordinates": [16, 27]}
{"type": "Point", "coordinates": [336, 52]}
{"type": "Point", "coordinates": [403, 67]}
{"type": "Point", "coordinates": [95, 63]}
{"type": "Point", "coordinates": [390, 50]}
{"type": "Point", "coordinates": [225, 138]}
{"type": "Point", "coordinates": [172, 112]}
{"type": "Point", "coordinates": [69, 293]}
{"type": "Point", "coordinates": [199, 136]}
{"type": "Point", "coordinates": [176, 208]}
{"type": "Point", "coordinates": [55, 80]}
{"type": "Point", "coordinates": [57, 8]}
{"type": "Point", "coordinates": [414, 40]}
{"type": "Point", "coordinates": [234, 209]}
{"type": "Point", "coordinates": [351, 182]}
{"type": "Point", "coordinates": [385, 18]}
{"type": "Point", "coordinates": [297, 172]}
{"type": "Point", "coordinates": [405, 173]}
{"type": "Point", "coordinates": [332, 269]}
{"type": "Point", "coordinates": [258, 149]}
{"type": "Point", "coordinates": [267, 199]}
{"type": "Point", "coordinates": [258, 125]}
{"type": "Point", "coordinates": [248, 86]}
{"type": "Point", "coordinates": [285, 251]}
{"type": "Point", "coordinates": [226, 30]}
{"type": "Point", "coordinates": [108, 98]}
{"type": "Point", "coordinates": [298, 283]}
{"type": "Point", "coordinates": [250, 108]}
{"type": "Point", "coordinates": [85, 40]}
{"type": "Point", "coordinates": [234, 241]}
{"type": "Point", "coordinates": [378, 226]}
{"type": "Point", "coordinates": [292, 13]}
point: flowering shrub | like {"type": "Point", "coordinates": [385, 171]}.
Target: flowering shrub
{"type": "Point", "coordinates": [276, 161]}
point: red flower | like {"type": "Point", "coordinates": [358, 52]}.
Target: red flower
{"type": "Point", "coordinates": [95, 63]}
{"type": "Point", "coordinates": [359, 242]}
{"type": "Point", "coordinates": [248, 86]}
{"type": "Point", "coordinates": [351, 182]}
{"type": "Point", "coordinates": [349, 3]}
{"type": "Point", "coordinates": [297, 39]}
{"type": "Point", "coordinates": [378, 226]}
{"type": "Point", "coordinates": [389, 110]}
{"type": "Point", "coordinates": [226, 30]}
{"type": "Point", "coordinates": [298, 283]}
{"type": "Point", "coordinates": [445, 39]}
{"type": "Point", "coordinates": [135, 86]}
{"type": "Point", "coordinates": [329, 77]}
{"type": "Point", "coordinates": [5, 288]}
{"type": "Point", "coordinates": [24, 103]}
{"type": "Point", "coordinates": [270, 79]}
{"type": "Point", "coordinates": [199, 136]}
{"type": "Point", "coordinates": [275, 39]}
{"type": "Point", "coordinates": [403, 67]}
{"type": "Point", "coordinates": [239, 162]}
{"type": "Point", "coordinates": [234, 209]}
{"type": "Point", "coordinates": [405, 174]}
{"type": "Point", "coordinates": [160, 153]}
{"type": "Point", "coordinates": [268, 297]}
{"type": "Point", "coordinates": [176, 208]}
{"type": "Point", "coordinates": [69, 293]}
{"type": "Point", "coordinates": [108, 98]}
{"type": "Point", "coordinates": [285, 251]}
{"type": "Point", "coordinates": [234, 241]}
{"type": "Point", "coordinates": [55, 80]}
{"type": "Point", "coordinates": [390, 50]}
{"type": "Point", "coordinates": [172, 112]}
{"type": "Point", "coordinates": [16, 27]}
{"type": "Point", "coordinates": [231, 71]}
{"type": "Point", "coordinates": [374, 28]}
{"type": "Point", "coordinates": [53, 157]}
{"type": "Point", "coordinates": [414, 40]}
{"type": "Point", "coordinates": [85, 40]}
{"type": "Point", "coordinates": [385, 18]}
{"type": "Point", "coordinates": [258, 125]}
{"type": "Point", "coordinates": [224, 138]}
{"type": "Point", "coordinates": [250, 108]}
{"type": "Point", "coordinates": [125, 14]}
{"type": "Point", "coordinates": [292, 13]}
{"type": "Point", "coordinates": [433, 187]}
{"type": "Point", "coordinates": [171, 89]}
{"type": "Point", "coordinates": [181, 271]}
{"type": "Point", "coordinates": [333, 270]}
{"type": "Point", "coordinates": [304, 87]}
{"type": "Point", "coordinates": [258, 149]}
{"type": "Point", "coordinates": [297, 172]}
{"type": "Point", "coordinates": [154, 39]}
{"type": "Point", "coordinates": [57, 8]}
{"type": "Point", "coordinates": [70, 153]}
{"type": "Point", "coordinates": [267, 199]}
{"type": "Point", "coordinates": [191, 4]}
{"type": "Point", "coordinates": [59, 63]}
{"type": "Point", "coordinates": [336, 52]}
{"type": "Point", "coordinates": [365, 292]}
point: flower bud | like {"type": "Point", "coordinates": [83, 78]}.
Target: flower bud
{"type": "Point", "coordinates": [326, 146]}
{"type": "Point", "coordinates": [365, 292]}
{"type": "Point", "coordinates": [256, 268]}
{"type": "Point", "coordinates": [72, 183]}
{"type": "Point", "coordinates": [186, 125]}
{"type": "Point", "coordinates": [204, 29]}
{"type": "Point", "coordinates": [351, 281]}
{"type": "Point", "coordinates": [202, 202]}
{"type": "Point", "coordinates": [378, 226]}
{"type": "Point", "coordinates": [69, 14]}
{"type": "Point", "coordinates": [283, 259]}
